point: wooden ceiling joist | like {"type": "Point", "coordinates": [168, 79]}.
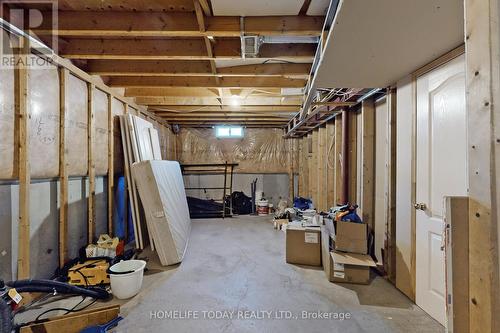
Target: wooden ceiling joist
{"type": "Point", "coordinates": [225, 82]}
{"type": "Point", "coordinates": [190, 68]}
{"type": "Point", "coordinates": [97, 24]}
{"type": "Point", "coordinates": [154, 96]}
{"type": "Point", "coordinates": [224, 108]}
{"type": "Point", "coordinates": [177, 49]}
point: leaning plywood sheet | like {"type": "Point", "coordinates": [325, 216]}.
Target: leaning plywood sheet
{"type": "Point", "coordinates": [7, 114]}
{"type": "Point", "coordinates": [76, 126]}
{"type": "Point", "coordinates": [43, 108]}
{"type": "Point", "coordinates": [143, 137]}
{"type": "Point", "coordinates": [155, 144]}
{"type": "Point", "coordinates": [162, 192]}
{"type": "Point", "coordinates": [130, 183]}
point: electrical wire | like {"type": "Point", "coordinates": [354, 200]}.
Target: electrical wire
{"type": "Point", "coordinates": [73, 309]}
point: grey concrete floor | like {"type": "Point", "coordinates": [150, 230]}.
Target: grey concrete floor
{"type": "Point", "coordinates": [236, 268]}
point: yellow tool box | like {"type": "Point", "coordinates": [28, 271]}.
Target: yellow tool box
{"type": "Point", "coordinates": [90, 273]}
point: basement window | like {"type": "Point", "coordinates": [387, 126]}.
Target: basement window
{"type": "Point", "coordinates": [229, 131]}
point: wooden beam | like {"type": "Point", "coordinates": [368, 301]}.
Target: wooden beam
{"type": "Point", "coordinates": [367, 203]}
{"type": "Point", "coordinates": [190, 68]}
{"type": "Point", "coordinates": [111, 172]}
{"type": "Point", "coordinates": [63, 170]}
{"type": "Point", "coordinates": [98, 24]}
{"type": "Point", "coordinates": [222, 118]}
{"type": "Point", "coordinates": [23, 167]}
{"type": "Point", "coordinates": [156, 96]}
{"type": "Point", "coordinates": [91, 214]}
{"type": "Point", "coordinates": [183, 109]}
{"type": "Point", "coordinates": [74, 322]}
{"type": "Point", "coordinates": [226, 82]}
{"type": "Point", "coordinates": [177, 49]}
{"type": "Point", "coordinates": [221, 114]}
{"type": "Point", "coordinates": [216, 93]}
{"type": "Point", "coordinates": [305, 7]}
{"type": "Point", "coordinates": [482, 41]}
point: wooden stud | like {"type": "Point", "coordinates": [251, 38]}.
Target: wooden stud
{"type": "Point", "coordinates": [313, 168]}
{"type": "Point", "coordinates": [338, 161]}
{"type": "Point", "coordinates": [352, 158]}
{"type": "Point", "coordinates": [321, 160]}
{"type": "Point", "coordinates": [330, 164]}
{"type": "Point", "coordinates": [111, 173]}
{"type": "Point", "coordinates": [91, 165]}
{"type": "Point", "coordinates": [482, 41]}
{"type": "Point", "coordinates": [391, 195]}
{"type": "Point", "coordinates": [63, 170]}
{"type": "Point", "coordinates": [368, 162]}
{"type": "Point", "coordinates": [22, 122]}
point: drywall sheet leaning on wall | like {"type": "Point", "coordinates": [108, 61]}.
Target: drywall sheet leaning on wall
{"type": "Point", "coordinates": [7, 115]}
{"type": "Point", "coordinates": [76, 126]}
{"type": "Point", "coordinates": [162, 193]}
{"type": "Point", "coordinates": [259, 151]}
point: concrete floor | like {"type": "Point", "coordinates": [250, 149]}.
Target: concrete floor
{"type": "Point", "coordinates": [236, 268]}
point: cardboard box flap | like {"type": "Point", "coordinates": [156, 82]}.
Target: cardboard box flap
{"type": "Point", "coordinates": [353, 259]}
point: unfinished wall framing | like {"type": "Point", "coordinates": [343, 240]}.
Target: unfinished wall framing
{"type": "Point", "coordinates": [48, 112]}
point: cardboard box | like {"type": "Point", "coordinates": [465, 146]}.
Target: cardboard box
{"type": "Point", "coordinates": [303, 245]}
{"type": "Point", "coordinates": [349, 267]}
{"type": "Point", "coordinates": [351, 237]}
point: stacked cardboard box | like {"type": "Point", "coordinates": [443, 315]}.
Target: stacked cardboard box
{"type": "Point", "coordinates": [345, 252]}
{"type": "Point", "coordinates": [303, 245]}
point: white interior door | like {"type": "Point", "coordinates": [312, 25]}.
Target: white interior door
{"type": "Point", "coordinates": [441, 171]}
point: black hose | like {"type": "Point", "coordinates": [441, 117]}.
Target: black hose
{"type": "Point", "coordinates": [5, 317]}
{"type": "Point", "coordinates": [63, 288]}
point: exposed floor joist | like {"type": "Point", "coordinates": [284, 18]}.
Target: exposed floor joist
{"type": "Point", "coordinates": [191, 68]}
{"type": "Point", "coordinates": [98, 24]}
{"type": "Point", "coordinates": [226, 82]}
{"type": "Point", "coordinates": [179, 60]}
{"type": "Point", "coordinates": [177, 49]}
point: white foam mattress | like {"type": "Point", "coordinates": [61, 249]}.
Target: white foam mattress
{"type": "Point", "coordinates": [163, 196]}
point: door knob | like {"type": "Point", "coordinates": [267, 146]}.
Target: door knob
{"type": "Point", "coordinates": [420, 206]}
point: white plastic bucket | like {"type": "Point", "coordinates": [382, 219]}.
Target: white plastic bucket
{"type": "Point", "coordinates": [263, 207]}
{"type": "Point", "coordinates": [127, 285]}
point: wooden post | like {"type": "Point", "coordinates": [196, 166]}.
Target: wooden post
{"type": "Point", "coordinates": [22, 122]}
{"type": "Point", "coordinates": [483, 117]}
{"type": "Point", "coordinates": [368, 162]}
{"type": "Point", "coordinates": [111, 172]}
{"type": "Point", "coordinates": [391, 189]}
{"type": "Point", "coordinates": [338, 160]}
{"type": "Point", "coordinates": [91, 164]}
{"type": "Point", "coordinates": [63, 170]}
